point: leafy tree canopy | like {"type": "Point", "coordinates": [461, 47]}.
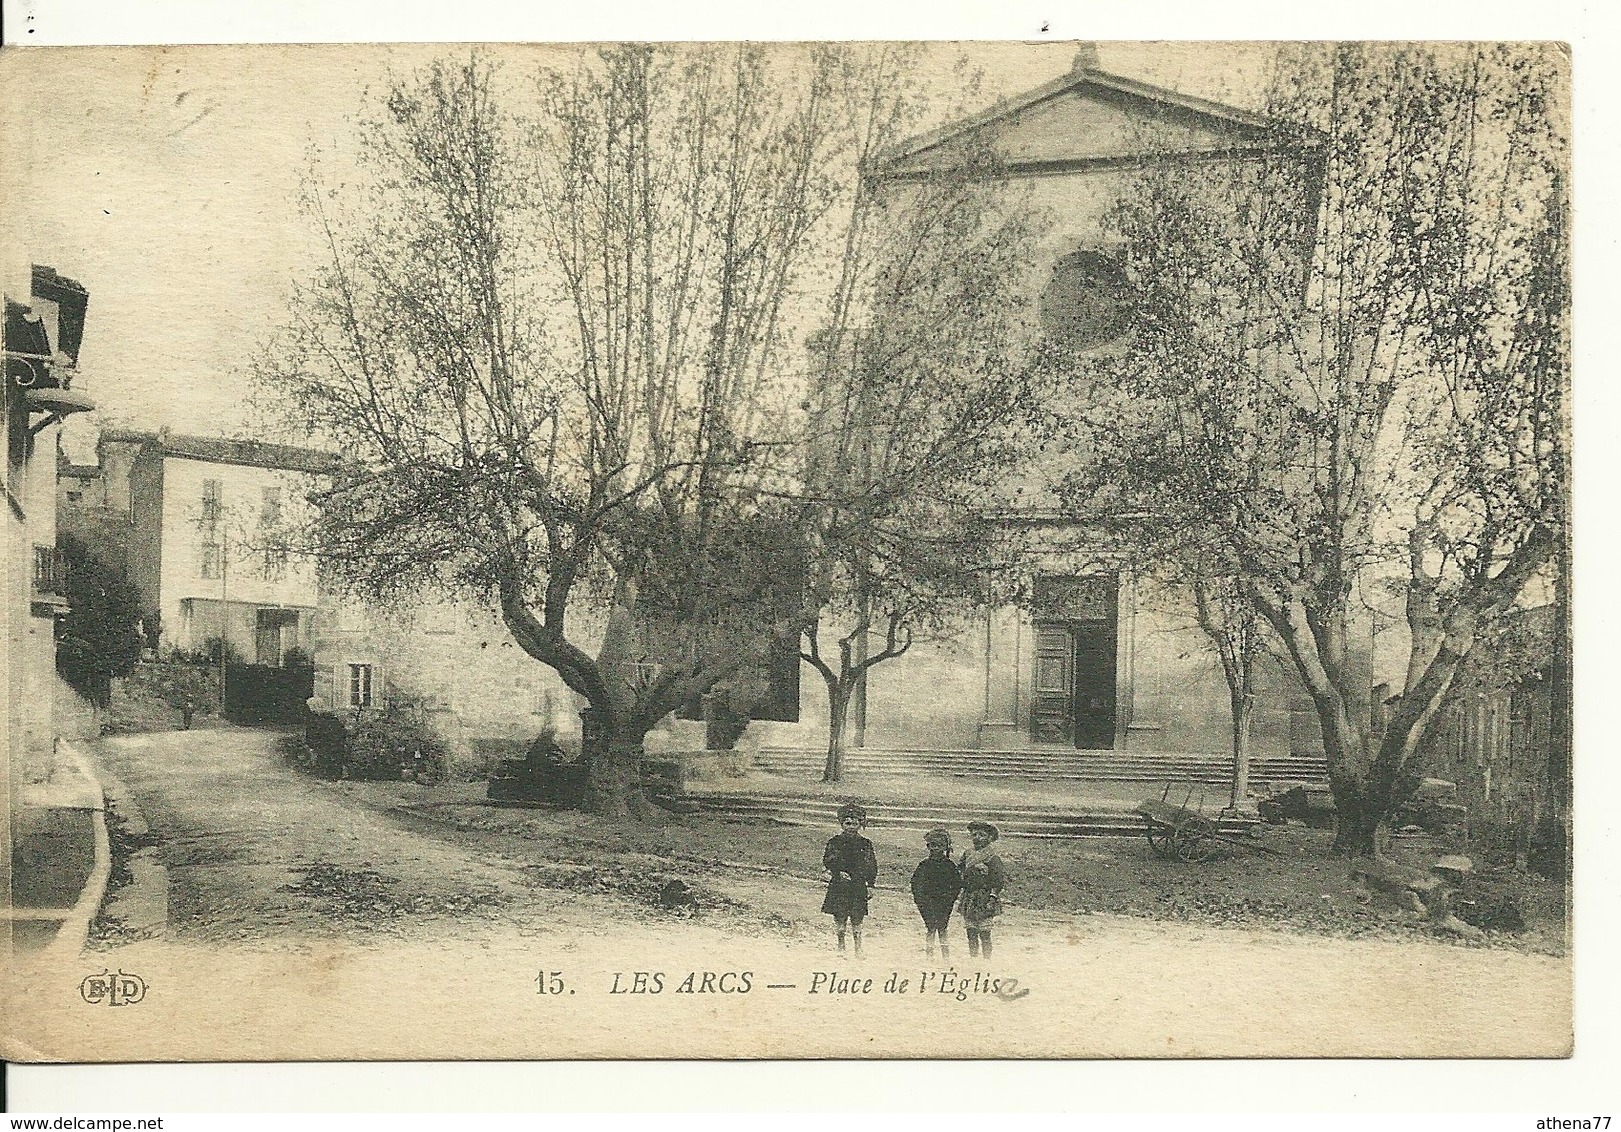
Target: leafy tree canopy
{"type": "Point", "coordinates": [100, 637]}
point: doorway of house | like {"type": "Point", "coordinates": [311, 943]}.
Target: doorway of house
{"type": "Point", "coordinates": [276, 632]}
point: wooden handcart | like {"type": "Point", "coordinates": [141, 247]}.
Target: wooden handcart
{"type": "Point", "coordinates": [1183, 832]}
{"type": "Point", "coordinates": [1178, 831]}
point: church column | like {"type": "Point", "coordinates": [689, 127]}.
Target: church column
{"type": "Point", "coordinates": [1125, 657]}
{"type": "Point", "coordinates": [1003, 646]}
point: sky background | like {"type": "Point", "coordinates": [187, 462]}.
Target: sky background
{"type": "Point", "coordinates": [166, 180]}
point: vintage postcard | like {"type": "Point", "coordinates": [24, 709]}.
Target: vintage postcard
{"type": "Point", "coordinates": [821, 550]}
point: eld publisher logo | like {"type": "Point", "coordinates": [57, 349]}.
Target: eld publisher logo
{"type": "Point", "coordinates": [115, 989]}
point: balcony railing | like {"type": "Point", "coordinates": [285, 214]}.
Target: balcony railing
{"type": "Point", "coordinates": [50, 570]}
{"type": "Point", "coordinates": [50, 587]}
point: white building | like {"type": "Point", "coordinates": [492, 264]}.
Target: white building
{"type": "Point", "coordinates": [207, 543]}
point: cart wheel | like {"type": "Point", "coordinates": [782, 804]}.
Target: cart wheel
{"type": "Point", "coordinates": [1162, 840]}
{"type": "Point", "coordinates": [1192, 842]}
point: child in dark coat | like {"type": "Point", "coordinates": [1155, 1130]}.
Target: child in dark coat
{"type": "Point", "coordinates": [935, 885]}
{"type": "Point", "coordinates": [852, 869]}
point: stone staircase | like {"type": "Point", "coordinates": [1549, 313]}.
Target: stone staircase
{"type": "Point", "coordinates": [1014, 821]}
{"type": "Point", "coordinates": [1057, 765]}
{"type": "Point", "coordinates": [1036, 819]}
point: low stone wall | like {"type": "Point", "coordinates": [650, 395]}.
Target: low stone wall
{"type": "Point", "coordinates": [479, 757]}
{"type": "Point", "coordinates": [709, 766]}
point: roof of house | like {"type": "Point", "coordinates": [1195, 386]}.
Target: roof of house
{"type": "Point", "coordinates": [125, 435]}
{"type": "Point", "coordinates": [225, 450]}
{"type": "Point", "coordinates": [1091, 119]}
{"type": "Point", "coordinates": [71, 299]}
{"type": "Point", "coordinates": [24, 328]}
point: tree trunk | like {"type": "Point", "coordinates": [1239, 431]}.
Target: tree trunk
{"type": "Point", "coordinates": [1243, 713]}
{"type": "Point", "coordinates": [858, 706]}
{"type": "Point", "coordinates": [1363, 798]}
{"type": "Point", "coordinates": [1360, 827]}
{"type": "Point", "coordinates": [1366, 789]}
{"type": "Point", "coordinates": [838, 712]}
{"type": "Point", "coordinates": [616, 778]}
{"type": "Point", "coordinates": [616, 756]}
{"type": "Point", "coordinates": [1560, 686]}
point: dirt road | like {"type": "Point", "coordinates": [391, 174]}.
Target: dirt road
{"type": "Point", "coordinates": [303, 923]}
{"type": "Point", "coordinates": [256, 851]}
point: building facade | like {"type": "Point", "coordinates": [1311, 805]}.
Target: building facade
{"type": "Point", "coordinates": [206, 542]}
{"type": "Point", "coordinates": [1096, 660]}
{"type": "Point", "coordinates": [43, 331]}
{"type": "Point", "coordinates": [451, 661]}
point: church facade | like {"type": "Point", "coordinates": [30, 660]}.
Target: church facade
{"type": "Point", "coordinates": [1096, 659]}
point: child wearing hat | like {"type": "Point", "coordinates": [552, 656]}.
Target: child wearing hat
{"type": "Point", "coordinates": [852, 868]}
{"type": "Point", "coordinates": [983, 877]}
{"type": "Point", "coordinates": [935, 885]}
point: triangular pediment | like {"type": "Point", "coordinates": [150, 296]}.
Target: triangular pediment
{"type": "Point", "coordinates": [1088, 118]}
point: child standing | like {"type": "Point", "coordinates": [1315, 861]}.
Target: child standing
{"type": "Point", "coordinates": [852, 871]}
{"type": "Point", "coordinates": [983, 877]}
{"type": "Point", "coordinates": [935, 885]}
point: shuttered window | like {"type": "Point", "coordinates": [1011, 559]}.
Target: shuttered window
{"type": "Point", "coordinates": [360, 685]}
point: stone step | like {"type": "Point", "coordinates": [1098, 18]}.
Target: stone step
{"type": "Point", "coordinates": [1013, 821]}
{"type": "Point", "coordinates": [1045, 764]}
{"type": "Point", "coordinates": [1065, 766]}
{"type": "Point", "coordinates": [1038, 774]}
{"type": "Point", "coordinates": [1026, 755]}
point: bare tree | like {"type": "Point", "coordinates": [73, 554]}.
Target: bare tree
{"type": "Point", "coordinates": [918, 389]}
{"type": "Point", "coordinates": [549, 336]}
{"type": "Point", "coordinates": [1350, 362]}
{"type": "Point", "coordinates": [1162, 541]}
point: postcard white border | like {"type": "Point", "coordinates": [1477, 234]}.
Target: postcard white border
{"type": "Point", "coordinates": [1234, 1087]}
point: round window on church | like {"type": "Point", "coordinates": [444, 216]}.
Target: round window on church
{"type": "Point", "coordinates": [1085, 304]}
